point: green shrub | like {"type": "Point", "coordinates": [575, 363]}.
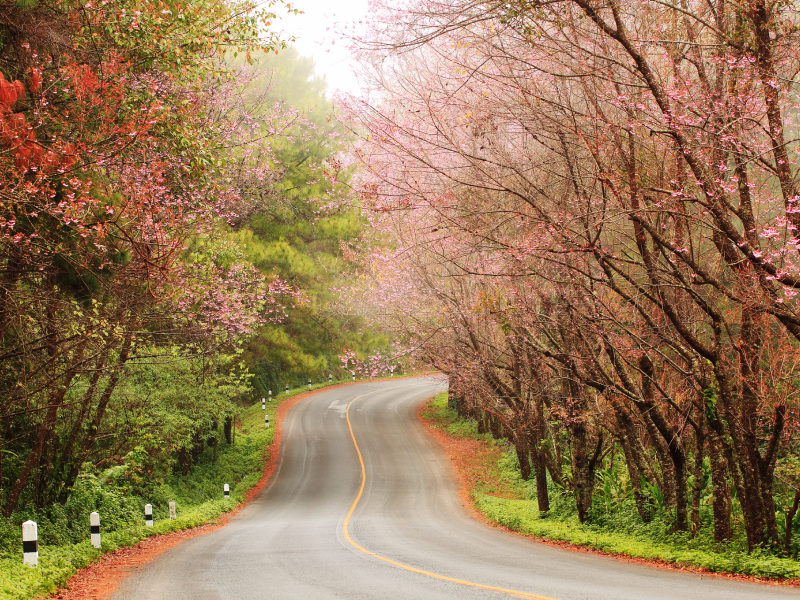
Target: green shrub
{"type": "Point", "coordinates": [64, 530]}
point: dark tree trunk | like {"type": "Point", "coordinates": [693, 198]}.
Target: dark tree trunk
{"type": "Point", "coordinates": [227, 428]}
{"type": "Point", "coordinates": [721, 500]}
{"type": "Point", "coordinates": [521, 447]}
{"type": "Point", "coordinates": [184, 461]}
{"type": "Point", "coordinates": [461, 406]}
{"type": "Point", "coordinates": [88, 442]}
{"type": "Point", "coordinates": [675, 478]}
{"type": "Point", "coordinates": [643, 506]}
{"type": "Point", "coordinates": [33, 458]}
{"type": "Point", "coordinates": [212, 441]}
{"type": "Point", "coordinates": [537, 450]}
{"type": "Point", "coordinates": [66, 459]}
{"type": "Point", "coordinates": [751, 471]}
{"type": "Point", "coordinates": [482, 424]}
{"type": "Point", "coordinates": [584, 468]}
{"type": "Point", "coordinates": [634, 460]}
{"type": "Point", "coordinates": [697, 488]}
{"type": "Point", "coordinates": [45, 430]}
{"type": "Point", "coordinates": [495, 426]}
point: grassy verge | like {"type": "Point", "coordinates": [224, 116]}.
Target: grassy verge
{"type": "Point", "coordinates": [499, 493]}
{"type": "Point", "coordinates": [198, 497]}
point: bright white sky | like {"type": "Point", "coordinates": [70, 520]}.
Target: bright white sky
{"type": "Point", "coordinates": [316, 37]}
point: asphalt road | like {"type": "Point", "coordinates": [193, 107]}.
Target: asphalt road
{"type": "Point", "coordinates": [304, 538]}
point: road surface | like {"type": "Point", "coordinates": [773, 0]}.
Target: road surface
{"type": "Point", "coordinates": [406, 537]}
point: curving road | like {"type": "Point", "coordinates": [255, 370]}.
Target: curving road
{"type": "Point", "coordinates": [407, 537]}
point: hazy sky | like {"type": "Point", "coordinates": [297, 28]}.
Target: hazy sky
{"type": "Point", "coordinates": [316, 37]}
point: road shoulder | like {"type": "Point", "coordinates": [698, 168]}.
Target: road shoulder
{"type": "Point", "coordinates": [474, 464]}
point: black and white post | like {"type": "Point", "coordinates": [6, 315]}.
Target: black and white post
{"type": "Point", "coordinates": [94, 528]}
{"type": "Point", "coordinates": [226, 490]}
{"type": "Point", "coordinates": [173, 514]}
{"type": "Point", "coordinates": [30, 543]}
{"type": "Point", "coordinates": [287, 388]}
{"type": "Point", "coordinates": [330, 378]}
{"type": "Point", "coordinates": [266, 421]}
{"type": "Point", "coordinates": [148, 515]}
{"type": "Point", "coordinates": [270, 395]}
{"type": "Point", "coordinates": [309, 384]}
{"type": "Point", "coordinates": [263, 404]}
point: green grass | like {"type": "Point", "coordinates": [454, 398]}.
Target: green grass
{"type": "Point", "coordinates": [444, 417]}
{"type": "Point", "coordinates": [64, 545]}
{"type": "Point", "coordinates": [58, 563]}
{"type": "Point", "coordinates": [616, 531]}
{"type": "Point", "coordinates": [523, 516]}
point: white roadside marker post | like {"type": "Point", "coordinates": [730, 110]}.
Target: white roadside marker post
{"type": "Point", "coordinates": [270, 395]}
{"type": "Point", "coordinates": [94, 528]}
{"type": "Point", "coordinates": [148, 515]}
{"type": "Point", "coordinates": [263, 404]}
{"type": "Point", "coordinates": [354, 377]}
{"type": "Point", "coordinates": [287, 388]}
{"type": "Point", "coordinates": [173, 514]}
{"type": "Point", "coordinates": [266, 421]}
{"type": "Point", "coordinates": [226, 490]}
{"type": "Point", "coordinates": [30, 543]}
{"type": "Point", "coordinates": [309, 384]}
{"type": "Point", "coordinates": [330, 378]}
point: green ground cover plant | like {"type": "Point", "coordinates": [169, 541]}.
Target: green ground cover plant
{"type": "Point", "coordinates": [119, 495]}
{"type": "Point", "coordinates": [614, 527]}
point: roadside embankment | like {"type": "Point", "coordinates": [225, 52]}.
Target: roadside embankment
{"type": "Point", "coordinates": [494, 492]}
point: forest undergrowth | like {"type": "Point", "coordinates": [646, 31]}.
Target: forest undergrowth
{"type": "Point", "coordinates": [119, 495]}
{"type": "Point", "coordinates": [498, 491]}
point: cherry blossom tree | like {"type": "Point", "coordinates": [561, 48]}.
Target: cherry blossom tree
{"type": "Point", "coordinates": [623, 179]}
{"type": "Point", "coordinates": [114, 125]}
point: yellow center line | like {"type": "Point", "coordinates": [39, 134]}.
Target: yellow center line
{"type": "Point", "coordinates": [394, 562]}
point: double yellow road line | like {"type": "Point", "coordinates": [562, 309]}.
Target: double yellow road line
{"type": "Point", "coordinates": [350, 541]}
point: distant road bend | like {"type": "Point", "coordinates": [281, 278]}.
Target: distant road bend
{"type": "Point", "coordinates": [322, 531]}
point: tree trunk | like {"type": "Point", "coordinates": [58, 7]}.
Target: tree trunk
{"type": "Point", "coordinates": [66, 457]}
{"type": "Point", "coordinates": [495, 426]}
{"type": "Point", "coordinates": [721, 500]}
{"type": "Point", "coordinates": [643, 506]}
{"type": "Point", "coordinates": [675, 478]}
{"type": "Point", "coordinates": [88, 442]}
{"type": "Point", "coordinates": [33, 458]}
{"type": "Point", "coordinates": [45, 430]}
{"type": "Point", "coordinates": [227, 428]}
{"type": "Point", "coordinates": [482, 424]}
{"type": "Point", "coordinates": [536, 446]}
{"type": "Point", "coordinates": [521, 447]}
{"type": "Point", "coordinates": [697, 488]}
{"type": "Point", "coordinates": [633, 450]}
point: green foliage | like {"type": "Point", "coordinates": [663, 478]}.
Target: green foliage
{"type": "Point", "coordinates": [301, 232]}
{"type": "Point", "coordinates": [63, 530]}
